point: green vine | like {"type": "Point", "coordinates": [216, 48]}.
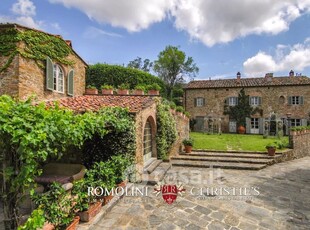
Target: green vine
{"type": "Point", "coordinates": [33, 45]}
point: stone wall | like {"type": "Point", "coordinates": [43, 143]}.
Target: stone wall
{"type": "Point", "coordinates": [32, 79]}
{"type": "Point", "coordinates": [9, 77]}
{"type": "Point", "coordinates": [182, 123]}
{"type": "Point", "coordinates": [274, 99]}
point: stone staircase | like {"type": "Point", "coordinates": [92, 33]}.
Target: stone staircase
{"type": "Point", "coordinates": [225, 160]}
{"type": "Point", "coordinates": [155, 171]}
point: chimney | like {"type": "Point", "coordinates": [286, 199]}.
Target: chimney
{"type": "Point", "coordinates": [238, 77]}
{"type": "Point", "coordinates": [269, 76]}
{"type": "Point", "coordinates": [69, 43]}
{"type": "Point", "coordinates": [291, 74]}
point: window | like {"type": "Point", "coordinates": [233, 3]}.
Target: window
{"type": "Point", "coordinates": [255, 101]}
{"type": "Point", "coordinates": [254, 123]}
{"type": "Point", "coordinates": [232, 101]}
{"type": "Point", "coordinates": [199, 101]}
{"type": "Point", "coordinates": [58, 77]}
{"type": "Point", "coordinates": [295, 100]}
{"type": "Point", "coordinates": [295, 122]}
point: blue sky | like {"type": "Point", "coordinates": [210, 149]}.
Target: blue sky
{"type": "Point", "coordinates": [223, 37]}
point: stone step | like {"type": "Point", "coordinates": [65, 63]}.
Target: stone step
{"type": "Point", "coordinates": [157, 175]}
{"type": "Point", "coordinates": [153, 166]}
{"type": "Point", "coordinates": [236, 155]}
{"type": "Point", "coordinates": [224, 159]}
{"type": "Point", "coordinates": [214, 164]}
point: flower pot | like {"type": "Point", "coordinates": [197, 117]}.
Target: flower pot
{"type": "Point", "coordinates": [153, 92]}
{"type": "Point", "coordinates": [91, 91]}
{"type": "Point", "coordinates": [122, 91]}
{"type": "Point", "coordinates": [271, 151]}
{"type": "Point", "coordinates": [188, 148]}
{"type": "Point", "coordinates": [74, 223]}
{"type": "Point", "coordinates": [241, 129]}
{"type": "Point", "coordinates": [138, 92]}
{"type": "Point", "coordinates": [92, 211]}
{"type": "Point", "coordinates": [48, 226]}
{"type": "Point", "coordinates": [107, 199]}
{"type": "Point", "coordinates": [107, 91]}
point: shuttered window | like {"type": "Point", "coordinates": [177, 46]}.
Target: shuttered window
{"type": "Point", "coordinates": [232, 101]}
{"type": "Point", "coordinates": [296, 100]}
{"type": "Point", "coordinates": [255, 101]}
{"type": "Point", "coordinates": [199, 102]}
{"type": "Point", "coordinates": [70, 82]}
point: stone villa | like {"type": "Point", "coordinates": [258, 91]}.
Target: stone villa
{"type": "Point", "coordinates": [282, 100]}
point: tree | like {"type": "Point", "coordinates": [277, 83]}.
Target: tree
{"type": "Point", "coordinates": [145, 65]}
{"type": "Point", "coordinates": [173, 65]}
{"type": "Point", "coordinates": [242, 110]}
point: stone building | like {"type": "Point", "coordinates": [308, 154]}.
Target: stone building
{"type": "Point", "coordinates": [283, 102]}
{"type": "Point", "coordinates": [26, 69]}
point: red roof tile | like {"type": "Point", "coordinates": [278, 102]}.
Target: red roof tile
{"type": "Point", "coordinates": [95, 103]}
{"type": "Point", "coordinates": [249, 82]}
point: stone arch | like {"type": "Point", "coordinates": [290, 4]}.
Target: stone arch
{"type": "Point", "coordinates": [149, 131]}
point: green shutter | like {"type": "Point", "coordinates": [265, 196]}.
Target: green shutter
{"type": "Point", "coordinates": [289, 100]}
{"type": "Point", "coordinates": [70, 82]}
{"type": "Point", "coordinates": [301, 98]}
{"type": "Point", "coordinates": [49, 74]}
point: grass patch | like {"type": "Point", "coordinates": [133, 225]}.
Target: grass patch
{"type": "Point", "coordinates": [233, 141]}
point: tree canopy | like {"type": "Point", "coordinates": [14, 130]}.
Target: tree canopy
{"type": "Point", "coordinates": [145, 65]}
{"type": "Point", "coordinates": [172, 66]}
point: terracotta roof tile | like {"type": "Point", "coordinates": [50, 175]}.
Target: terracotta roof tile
{"type": "Point", "coordinates": [249, 82]}
{"type": "Point", "coordinates": [95, 103]}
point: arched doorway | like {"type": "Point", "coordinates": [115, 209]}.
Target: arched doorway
{"type": "Point", "coordinates": [147, 142]}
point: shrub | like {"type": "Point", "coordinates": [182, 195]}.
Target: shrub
{"type": "Point", "coordinates": [153, 86]}
{"type": "Point", "coordinates": [124, 86]}
{"type": "Point", "coordinates": [140, 87]}
{"type": "Point", "coordinates": [271, 145]}
{"type": "Point", "coordinates": [188, 142]}
{"type": "Point", "coordinates": [106, 87]}
{"type": "Point", "coordinates": [90, 87]}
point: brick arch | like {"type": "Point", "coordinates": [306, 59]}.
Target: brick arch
{"type": "Point", "coordinates": [153, 125]}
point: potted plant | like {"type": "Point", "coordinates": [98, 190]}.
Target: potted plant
{"type": "Point", "coordinates": [180, 110]}
{"type": "Point", "coordinates": [123, 89]}
{"type": "Point", "coordinates": [271, 149]}
{"type": "Point", "coordinates": [107, 89]}
{"type": "Point", "coordinates": [90, 89]}
{"type": "Point", "coordinates": [86, 206]}
{"type": "Point", "coordinates": [57, 205]}
{"type": "Point", "coordinates": [139, 90]}
{"type": "Point", "coordinates": [188, 144]}
{"type": "Point", "coordinates": [153, 89]}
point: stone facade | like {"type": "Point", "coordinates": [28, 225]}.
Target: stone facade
{"type": "Point", "coordinates": [24, 78]}
{"type": "Point", "coordinates": [182, 123]}
{"type": "Point", "coordinates": [274, 99]}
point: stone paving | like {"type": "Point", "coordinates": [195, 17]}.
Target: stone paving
{"type": "Point", "coordinates": [283, 201]}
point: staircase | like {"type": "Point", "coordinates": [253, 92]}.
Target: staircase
{"type": "Point", "coordinates": [155, 171]}
{"type": "Point", "coordinates": [225, 160]}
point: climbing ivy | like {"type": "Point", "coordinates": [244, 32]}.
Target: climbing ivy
{"type": "Point", "coordinates": [166, 129]}
{"type": "Point", "coordinates": [32, 44]}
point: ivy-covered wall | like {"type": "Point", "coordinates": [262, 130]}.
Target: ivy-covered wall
{"type": "Point", "coordinates": [23, 55]}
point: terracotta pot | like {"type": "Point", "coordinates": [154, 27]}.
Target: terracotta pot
{"type": "Point", "coordinates": [92, 211]}
{"type": "Point", "coordinates": [138, 92]}
{"type": "Point", "coordinates": [241, 129]}
{"type": "Point", "coordinates": [122, 91]}
{"type": "Point", "coordinates": [107, 199]}
{"type": "Point", "coordinates": [91, 91]}
{"type": "Point", "coordinates": [188, 149]}
{"type": "Point", "coordinates": [74, 223]}
{"type": "Point", "coordinates": [153, 92]}
{"type": "Point", "coordinates": [107, 91]}
{"type": "Point", "coordinates": [271, 151]}
{"type": "Point", "coordinates": [48, 226]}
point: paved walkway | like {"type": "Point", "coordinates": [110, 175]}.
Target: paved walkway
{"type": "Point", "coordinates": [283, 201]}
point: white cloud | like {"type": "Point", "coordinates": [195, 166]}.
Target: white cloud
{"type": "Point", "coordinates": [93, 32]}
{"type": "Point", "coordinates": [222, 21]}
{"type": "Point", "coordinates": [134, 15]}
{"type": "Point", "coordinates": [24, 11]}
{"type": "Point", "coordinates": [296, 57]}
{"type": "Point", "coordinates": [208, 21]}
{"type": "Point", "coordinates": [24, 8]}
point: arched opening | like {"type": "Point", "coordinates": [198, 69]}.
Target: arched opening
{"type": "Point", "coordinates": [147, 142]}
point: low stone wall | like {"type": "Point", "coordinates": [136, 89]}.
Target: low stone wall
{"type": "Point", "coordinates": [300, 144]}
{"type": "Point", "coordinates": [182, 123]}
